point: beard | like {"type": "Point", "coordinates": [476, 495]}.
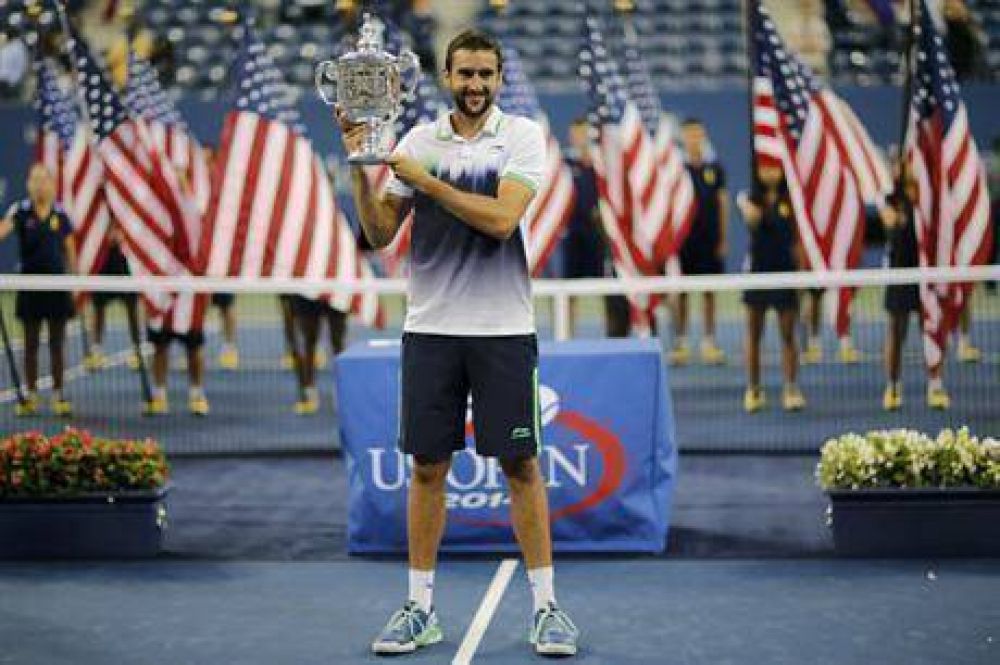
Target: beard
{"type": "Point", "coordinates": [462, 102]}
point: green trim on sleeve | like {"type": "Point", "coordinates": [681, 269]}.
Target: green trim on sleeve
{"type": "Point", "coordinates": [524, 180]}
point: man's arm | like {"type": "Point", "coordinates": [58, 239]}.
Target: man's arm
{"type": "Point", "coordinates": [496, 216]}
{"type": "Point", "coordinates": [380, 217]}
{"type": "Point", "coordinates": [69, 246]}
{"type": "Point", "coordinates": [723, 247]}
{"type": "Point", "coordinates": [7, 223]}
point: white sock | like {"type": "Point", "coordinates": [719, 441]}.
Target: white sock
{"type": "Point", "coordinates": [196, 392]}
{"type": "Point", "coordinates": [543, 590]}
{"type": "Point", "coordinates": [708, 340]}
{"type": "Point", "coordinates": [845, 342]}
{"type": "Point", "coordinates": [935, 384]}
{"type": "Point", "coordinates": [682, 342]}
{"type": "Point", "coordinates": [311, 394]}
{"type": "Point", "coordinates": [160, 392]}
{"type": "Point", "coordinates": [964, 339]}
{"type": "Point", "coordinates": [95, 349]}
{"type": "Point", "coordinates": [422, 588]}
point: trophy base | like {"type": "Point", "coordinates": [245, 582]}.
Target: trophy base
{"type": "Point", "coordinates": [366, 159]}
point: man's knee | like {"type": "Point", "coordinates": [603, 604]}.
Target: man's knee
{"type": "Point", "coordinates": [520, 471]}
{"type": "Point", "coordinates": [430, 474]}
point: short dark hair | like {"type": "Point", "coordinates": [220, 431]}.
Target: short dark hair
{"type": "Point", "coordinates": [692, 121]}
{"type": "Point", "coordinates": [473, 40]}
{"type": "Point", "coordinates": [579, 120]}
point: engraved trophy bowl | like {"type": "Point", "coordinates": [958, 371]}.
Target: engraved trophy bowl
{"type": "Point", "coordinates": [368, 86]}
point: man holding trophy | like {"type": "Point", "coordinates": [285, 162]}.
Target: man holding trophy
{"type": "Point", "coordinates": [469, 177]}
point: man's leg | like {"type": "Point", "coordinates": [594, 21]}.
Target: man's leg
{"type": "Point", "coordinates": [426, 515]}
{"type": "Point", "coordinates": [197, 401]}
{"type": "Point", "coordinates": [32, 333]}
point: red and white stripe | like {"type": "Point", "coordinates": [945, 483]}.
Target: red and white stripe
{"type": "Point", "coordinates": [188, 156]}
{"type": "Point", "coordinates": [160, 225]}
{"type": "Point", "coordinates": [952, 218]}
{"type": "Point", "coordinates": [552, 206]}
{"type": "Point", "coordinates": [680, 195]}
{"type": "Point", "coordinates": [79, 176]}
{"type": "Point", "coordinates": [615, 203]}
{"type": "Point", "coordinates": [273, 213]}
{"type": "Point", "coordinates": [823, 187]}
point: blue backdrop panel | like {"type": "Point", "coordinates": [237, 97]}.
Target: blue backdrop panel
{"type": "Point", "coordinates": [609, 455]}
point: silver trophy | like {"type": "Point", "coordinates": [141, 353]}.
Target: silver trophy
{"type": "Point", "coordinates": [368, 85]}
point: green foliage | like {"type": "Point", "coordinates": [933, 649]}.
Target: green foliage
{"type": "Point", "coordinates": [907, 458]}
{"type": "Point", "coordinates": [74, 462]}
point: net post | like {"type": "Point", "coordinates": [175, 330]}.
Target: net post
{"type": "Point", "coordinates": [561, 315]}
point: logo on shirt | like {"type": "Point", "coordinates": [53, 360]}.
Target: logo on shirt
{"type": "Point", "coordinates": [784, 210]}
{"type": "Point", "coordinates": [520, 433]}
{"type": "Point", "coordinates": [54, 223]}
{"type": "Point", "coordinates": [709, 176]}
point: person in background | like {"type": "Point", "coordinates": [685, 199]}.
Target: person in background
{"type": "Point", "coordinates": [770, 218]}
{"type": "Point", "coordinates": [584, 246]}
{"type": "Point", "coordinates": [704, 250]}
{"type": "Point", "coordinates": [45, 247]}
{"type": "Point", "coordinates": [115, 264]}
{"type": "Point", "coordinates": [902, 300]}
{"type": "Point", "coordinates": [308, 316]}
{"type": "Point", "coordinates": [964, 40]}
{"type": "Point", "coordinates": [812, 315]}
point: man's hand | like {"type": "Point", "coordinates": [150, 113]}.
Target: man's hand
{"type": "Point", "coordinates": [722, 250]}
{"type": "Point", "coordinates": [409, 170]}
{"type": "Point", "coordinates": [353, 132]}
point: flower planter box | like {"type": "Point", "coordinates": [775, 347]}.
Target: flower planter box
{"type": "Point", "coordinates": [122, 525]}
{"type": "Point", "coordinates": [959, 522]}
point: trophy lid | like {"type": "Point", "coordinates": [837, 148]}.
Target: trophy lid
{"type": "Point", "coordinates": [370, 39]}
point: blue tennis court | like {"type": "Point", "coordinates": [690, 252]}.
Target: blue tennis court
{"type": "Point", "coordinates": [652, 611]}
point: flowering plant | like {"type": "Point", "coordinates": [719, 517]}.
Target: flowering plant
{"type": "Point", "coordinates": [74, 462]}
{"type": "Point", "coordinates": [907, 458]}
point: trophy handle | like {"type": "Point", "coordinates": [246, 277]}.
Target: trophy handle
{"type": "Point", "coordinates": [324, 82]}
{"type": "Point", "coordinates": [407, 60]}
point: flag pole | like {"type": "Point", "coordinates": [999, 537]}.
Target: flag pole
{"type": "Point", "coordinates": [750, 6]}
{"type": "Point", "coordinates": [147, 392]}
{"type": "Point", "coordinates": [908, 43]}
{"type": "Point", "coordinates": [9, 352]}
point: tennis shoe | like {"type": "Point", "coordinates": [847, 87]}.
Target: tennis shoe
{"type": "Point", "coordinates": [408, 629]}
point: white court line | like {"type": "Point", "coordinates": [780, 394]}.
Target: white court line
{"type": "Point", "coordinates": [467, 649]}
{"type": "Point", "coordinates": [71, 374]}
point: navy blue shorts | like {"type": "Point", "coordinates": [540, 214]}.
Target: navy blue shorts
{"type": "Point", "coordinates": [438, 374]}
{"type": "Point", "coordinates": [191, 340]}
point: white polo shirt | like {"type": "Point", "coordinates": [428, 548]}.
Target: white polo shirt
{"type": "Point", "coordinates": [462, 281]}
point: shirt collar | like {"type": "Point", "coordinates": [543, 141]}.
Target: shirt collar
{"type": "Point", "coordinates": [490, 128]}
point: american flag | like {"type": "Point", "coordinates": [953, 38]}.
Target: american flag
{"type": "Point", "coordinates": [674, 177]}
{"type": "Point", "coordinates": [624, 161]}
{"type": "Point", "coordinates": [798, 125]}
{"type": "Point", "coordinates": [273, 212]}
{"type": "Point", "coordinates": [146, 99]}
{"type": "Point", "coordinates": [158, 221]}
{"type": "Point", "coordinates": [550, 210]}
{"type": "Point", "coordinates": [424, 105]}
{"type": "Point", "coordinates": [64, 147]}
{"type": "Point", "coordinates": [952, 213]}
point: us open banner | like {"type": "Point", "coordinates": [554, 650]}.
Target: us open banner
{"type": "Point", "coordinates": [608, 453]}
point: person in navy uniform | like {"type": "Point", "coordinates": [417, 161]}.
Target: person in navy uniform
{"type": "Point", "coordinates": [45, 243]}
{"type": "Point", "coordinates": [704, 249]}
{"type": "Point", "coordinates": [584, 245]}
{"type": "Point", "coordinates": [115, 264]}
{"type": "Point", "coordinates": [903, 300]}
{"type": "Point", "coordinates": [774, 247]}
